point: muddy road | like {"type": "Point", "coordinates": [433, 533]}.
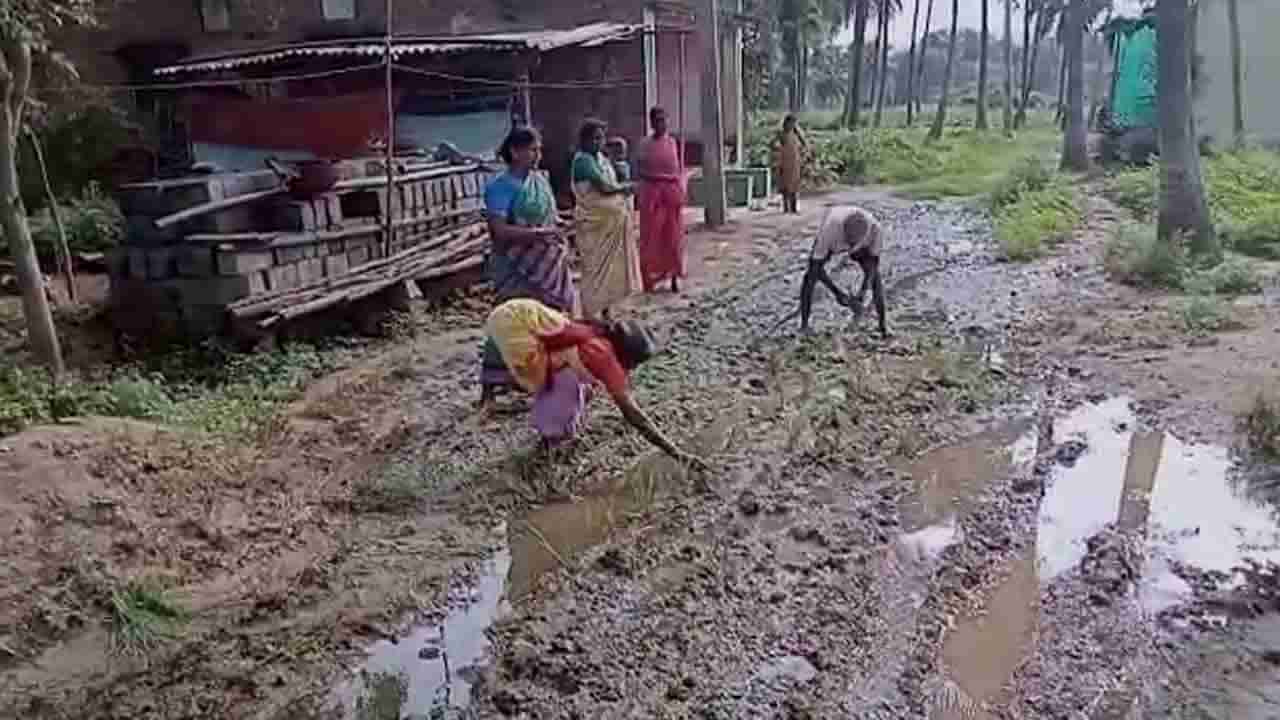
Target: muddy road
{"type": "Point", "coordinates": [1023, 504]}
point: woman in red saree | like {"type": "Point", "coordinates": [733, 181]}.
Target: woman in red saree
{"type": "Point", "coordinates": [661, 200]}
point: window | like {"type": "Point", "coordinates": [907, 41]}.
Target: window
{"type": "Point", "coordinates": [216, 15]}
{"type": "Point", "coordinates": [339, 9]}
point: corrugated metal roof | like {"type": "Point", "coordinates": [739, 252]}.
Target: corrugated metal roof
{"type": "Point", "coordinates": [541, 40]}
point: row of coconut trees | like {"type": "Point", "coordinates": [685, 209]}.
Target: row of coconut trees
{"type": "Point", "coordinates": [1183, 208]}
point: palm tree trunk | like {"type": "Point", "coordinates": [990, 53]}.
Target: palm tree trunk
{"type": "Point", "coordinates": [940, 119]}
{"type": "Point", "coordinates": [875, 55]}
{"type": "Point", "coordinates": [1060, 115]}
{"type": "Point", "coordinates": [15, 79]}
{"type": "Point", "coordinates": [911, 67]}
{"type": "Point", "coordinates": [1028, 19]}
{"type": "Point", "coordinates": [921, 77]}
{"type": "Point", "coordinates": [1237, 73]}
{"type": "Point", "coordinates": [1030, 85]}
{"type": "Point", "coordinates": [1183, 209]}
{"type": "Point", "coordinates": [985, 39]}
{"type": "Point", "coordinates": [1008, 66]}
{"type": "Point", "coordinates": [855, 60]}
{"type": "Point", "coordinates": [1075, 151]}
{"type": "Point", "coordinates": [885, 21]}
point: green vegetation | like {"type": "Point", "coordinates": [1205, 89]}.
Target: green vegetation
{"type": "Point", "coordinates": [1261, 425]}
{"type": "Point", "coordinates": [964, 163]}
{"type": "Point", "coordinates": [1202, 314]}
{"type": "Point", "coordinates": [1243, 191]}
{"type": "Point", "coordinates": [142, 616]}
{"type": "Point", "coordinates": [384, 696]}
{"type": "Point", "coordinates": [93, 223]}
{"type": "Point", "coordinates": [400, 486]}
{"type": "Point", "coordinates": [209, 389]}
{"type": "Point", "coordinates": [1134, 256]}
{"type": "Point", "coordinates": [1033, 208]}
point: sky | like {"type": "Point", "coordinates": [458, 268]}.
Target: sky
{"type": "Point", "coordinates": [970, 17]}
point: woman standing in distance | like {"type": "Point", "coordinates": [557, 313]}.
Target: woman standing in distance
{"type": "Point", "coordinates": [605, 230]}
{"type": "Point", "coordinates": [662, 197]}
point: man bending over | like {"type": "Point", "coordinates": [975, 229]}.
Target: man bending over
{"type": "Point", "coordinates": [852, 230]}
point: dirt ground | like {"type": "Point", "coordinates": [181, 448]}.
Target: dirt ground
{"type": "Point", "coordinates": [1022, 505]}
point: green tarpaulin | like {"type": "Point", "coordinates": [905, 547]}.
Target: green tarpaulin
{"type": "Point", "coordinates": [1133, 99]}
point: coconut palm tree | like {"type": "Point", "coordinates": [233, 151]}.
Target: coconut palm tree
{"type": "Point", "coordinates": [887, 10]}
{"type": "Point", "coordinates": [1183, 209]}
{"type": "Point", "coordinates": [924, 51]}
{"type": "Point", "coordinates": [1008, 66]}
{"type": "Point", "coordinates": [985, 41]}
{"type": "Point", "coordinates": [911, 67]}
{"type": "Point", "coordinates": [1075, 153]}
{"type": "Point", "coordinates": [859, 11]}
{"type": "Point", "coordinates": [1237, 72]}
{"type": "Point", "coordinates": [940, 118]}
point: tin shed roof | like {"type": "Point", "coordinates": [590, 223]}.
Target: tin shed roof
{"type": "Point", "coordinates": [540, 40]}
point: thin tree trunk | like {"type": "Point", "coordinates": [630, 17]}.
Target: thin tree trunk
{"type": "Point", "coordinates": [921, 77]}
{"type": "Point", "coordinates": [15, 78]}
{"type": "Point", "coordinates": [63, 251]}
{"type": "Point", "coordinates": [1183, 209]}
{"type": "Point", "coordinates": [1099, 77]}
{"type": "Point", "coordinates": [1075, 141]}
{"type": "Point", "coordinates": [940, 119]}
{"type": "Point", "coordinates": [1237, 73]}
{"type": "Point", "coordinates": [911, 67]}
{"type": "Point", "coordinates": [1060, 115]}
{"type": "Point", "coordinates": [1028, 19]}
{"type": "Point", "coordinates": [1027, 89]}
{"type": "Point", "coordinates": [1008, 66]}
{"type": "Point", "coordinates": [885, 24]}
{"type": "Point", "coordinates": [875, 57]}
{"type": "Point", "coordinates": [855, 73]}
{"type": "Point", "coordinates": [985, 40]}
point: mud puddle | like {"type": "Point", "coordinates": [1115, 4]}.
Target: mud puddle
{"type": "Point", "coordinates": [1190, 503]}
{"type": "Point", "coordinates": [430, 672]}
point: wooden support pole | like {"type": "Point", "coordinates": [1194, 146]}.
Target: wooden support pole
{"type": "Point", "coordinates": [712, 118]}
{"type": "Point", "coordinates": [388, 221]}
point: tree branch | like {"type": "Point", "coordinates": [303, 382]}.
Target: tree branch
{"type": "Point", "coordinates": [19, 59]}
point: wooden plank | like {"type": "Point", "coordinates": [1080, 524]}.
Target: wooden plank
{"type": "Point", "coordinates": [216, 206]}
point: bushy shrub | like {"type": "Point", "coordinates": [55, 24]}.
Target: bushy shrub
{"type": "Point", "coordinates": [1135, 256]}
{"type": "Point", "coordinates": [1037, 219]}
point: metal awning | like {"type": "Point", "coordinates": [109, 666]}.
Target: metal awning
{"type": "Point", "coordinates": [542, 40]}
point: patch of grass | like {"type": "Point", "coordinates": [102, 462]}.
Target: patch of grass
{"type": "Point", "coordinates": [1135, 256]}
{"type": "Point", "coordinates": [227, 394]}
{"type": "Point", "coordinates": [1258, 236]}
{"type": "Point", "coordinates": [384, 696]}
{"type": "Point", "coordinates": [1202, 315]}
{"type": "Point", "coordinates": [1261, 425]}
{"type": "Point", "coordinates": [143, 616]}
{"type": "Point", "coordinates": [1135, 190]}
{"type": "Point", "coordinates": [403, 485]}
{"type": "Point", "coordinates": [1037, 219]}
{"type": "Point", "coordinates": [964, 163]}
{"type": "Point", "coordinates": [1027, 176]}
{"type": "Point", "coordinates": [1233, 276]}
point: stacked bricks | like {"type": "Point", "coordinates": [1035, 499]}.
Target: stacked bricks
{"type": "Point", "coordinates": [181, 281]}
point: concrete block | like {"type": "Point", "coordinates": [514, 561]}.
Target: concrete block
{"type": "Point", "coordinates": [291, 254]}
{"type": "Point", "coordinates": [282, 277]}
{"type": "Point", "coordinates": [195, 261]}
{"type": "Point", "coordinates": [243, 262]}
{"type": "Point", "coordinates": [297, 216]}
{"type": "Point", "coordinates": [219, 290]}
{"type": "Point", "coordinates": [310, 271]}
{"type": "Point", "coordinates": [233, 220]}
{"type": "Point", "coordinates": [335, 265]}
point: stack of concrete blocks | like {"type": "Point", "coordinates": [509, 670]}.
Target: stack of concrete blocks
{"type": "Point", "coordinates": [180, 282]}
